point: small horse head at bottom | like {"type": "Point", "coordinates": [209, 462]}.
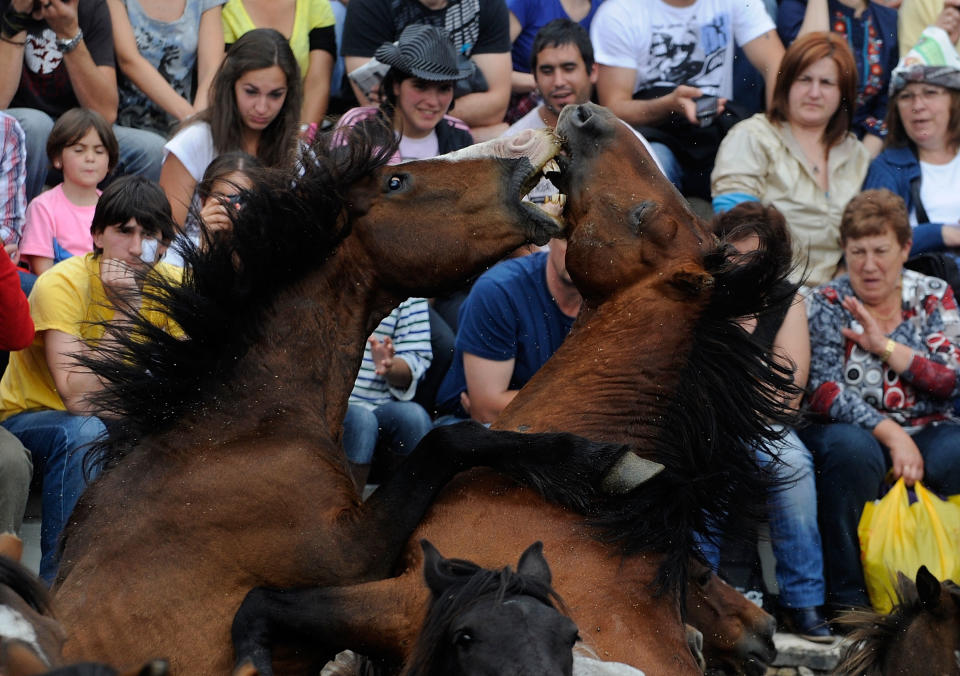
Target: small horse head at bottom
{"type": "Point", "coordinates": [921, 635]}
{"type": "Point", "coordinates": [484, 621]}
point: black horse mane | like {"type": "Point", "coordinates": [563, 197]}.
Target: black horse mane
{"type": "Point", "coordinates": [25, 585]}
{"type": "Point", "coordinates": [873, 634]}
{"type": "Point", "coordinates": [290, 224]}
{"type": "Point", "coordinates": [730, 393]}
{"type": "Point", "coordinates": [474, 584]}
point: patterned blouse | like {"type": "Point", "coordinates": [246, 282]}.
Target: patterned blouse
{"type": "Point", "coordinates": [851, 385]}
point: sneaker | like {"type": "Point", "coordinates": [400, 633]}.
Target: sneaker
{"type": "Point", "coordinates": [807, 623]}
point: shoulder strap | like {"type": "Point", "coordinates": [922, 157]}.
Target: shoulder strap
{"type": "Point", "coordinates": [917, 203]}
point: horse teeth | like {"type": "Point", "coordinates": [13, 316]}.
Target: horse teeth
{"type": "Point", "coordinates": [551, 165]}
{"type": "Point", "coordinates": [559, 199]}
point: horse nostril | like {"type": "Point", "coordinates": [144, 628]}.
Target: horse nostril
{"type": "Point", "coordinates": [583, 113]}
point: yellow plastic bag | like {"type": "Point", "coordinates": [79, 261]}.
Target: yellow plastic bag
{"type": "Point", "coordinates": [897, 536]}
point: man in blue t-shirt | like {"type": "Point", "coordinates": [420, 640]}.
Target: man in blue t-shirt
{"type": "Point", "coordinates": [514, 319]}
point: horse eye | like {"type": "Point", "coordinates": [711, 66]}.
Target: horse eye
{"type": "Point", "coordinates": [704, 579]}
{"type": "Point", "coordinates": [640, 212]}
{"type": "Point", "coordinates": [463, 638]}
{"type": "Point", "coordinates": [395, 183]}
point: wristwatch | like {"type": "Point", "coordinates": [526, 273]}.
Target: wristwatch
{"type": "Point", "coordinates": [67, 46]}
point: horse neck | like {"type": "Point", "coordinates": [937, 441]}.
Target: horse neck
{"type": "Point", "coordinates": [306, 362]}
{"type": "Point", "coordinates": [619, 366]}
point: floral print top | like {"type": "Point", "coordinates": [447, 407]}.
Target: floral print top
{"type": "Point", "coordinates": [851, 385]}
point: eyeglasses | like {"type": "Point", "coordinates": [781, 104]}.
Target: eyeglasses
{"type": "Point", "coordinates": [908, 96]}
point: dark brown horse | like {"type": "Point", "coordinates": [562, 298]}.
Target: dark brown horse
{"type": "Point", "coordinates": [737, 633]}
{"type": "Point", "coordinates": [657, 360]}
{"type": "Point", "coordinates": [225, 471]}
{"type": "Point", "coordinates": [919, 637]}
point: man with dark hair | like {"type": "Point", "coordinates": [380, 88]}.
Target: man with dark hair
{"type": "Point", "coordinates": [56, 55]}
{"type": "Point", "coordinates": [479, 30]}
{"type": "Point", "coordinates": [45, 396]}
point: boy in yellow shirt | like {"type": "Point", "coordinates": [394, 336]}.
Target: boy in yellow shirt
{"type": "Point", "coordinates": [44, 393]}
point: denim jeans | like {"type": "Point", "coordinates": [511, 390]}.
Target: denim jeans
{"type": "Point", "coordinates": [141, 151]}
{"type": "Point", "coordinates": [851, 465]}
{"type": "Point", "coordinates": [792, 510]}
{"type": "Point", "coordinates": [794, 535]}
{"type": "Point", "coordinates": [397, 425]}
{"type": "Point", "coordinates": [58, 441]}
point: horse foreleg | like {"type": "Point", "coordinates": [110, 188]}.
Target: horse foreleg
{"type": "Point", "coordinates": [374, 619]}
{"type": "Point", "coordinates": [573, 466]}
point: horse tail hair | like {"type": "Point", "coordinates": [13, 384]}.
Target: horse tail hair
{"type": "Point", "coordinates": [727, 407]}
{"type": "Point", "coordinates": [25, 585]}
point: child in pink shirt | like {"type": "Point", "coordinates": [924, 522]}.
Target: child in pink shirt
{"type": "Point", "coordinates": [83, 147]}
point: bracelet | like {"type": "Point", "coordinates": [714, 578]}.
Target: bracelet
{"type": "Point", "coordinates": [888, 350]}
{"type": "Point", "coordinates": [67, 46]}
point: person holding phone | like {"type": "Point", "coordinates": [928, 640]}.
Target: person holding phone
{"type": "Point", "coordinates": [56, 55]}
{"type": "Point", "coordinates": [800, 156]}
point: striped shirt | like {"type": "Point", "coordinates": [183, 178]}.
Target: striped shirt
{"type": "Point", "coordinates": [408, 326]}
{"type": "Point", "coordinates": [13, 176]}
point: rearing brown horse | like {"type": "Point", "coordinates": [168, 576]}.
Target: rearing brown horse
{"type": "Point", "coordinates": [657, 360]}
{"type": "Point", "coordinates": [226, 470]}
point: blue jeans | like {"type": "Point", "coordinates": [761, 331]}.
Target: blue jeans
{"type": "Point", "coordinates": [398, 425]}
{"type": "Point", "coordinates": [792, 510]}
{"type": "Point", "coordinates": [58, 441]}
{"type": "Point", "coordinates": [851, 465]}
{"type": "Point", "coordinates": [794, 535]}
{"type": "Point", "coordinates": [141, 151]}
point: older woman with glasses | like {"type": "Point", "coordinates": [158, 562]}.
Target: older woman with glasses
{"type": "Point", "coordinates": [921, 159]}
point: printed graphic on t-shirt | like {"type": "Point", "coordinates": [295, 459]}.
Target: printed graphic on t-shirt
{"type": "Point", "coordinates": [41, 54]}
{"type": "Point", "coordinates": [461, 21]}
{"type": "Point", "coordinates": [689, 53]}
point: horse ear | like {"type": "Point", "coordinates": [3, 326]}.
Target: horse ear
{"type": "Point", "coordinates": [928, 588]}
{"type": "Point", "coordinates": [433, 573]}
{"type": "Point", "coordinates": [360, 195]}
{"type": "Point", "coordinates": [691, 282]}
{"type": "Point", "coordinates": [533, 564]}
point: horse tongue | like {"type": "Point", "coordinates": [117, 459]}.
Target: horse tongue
{"type": "Point", "coordinates": [537, 145]}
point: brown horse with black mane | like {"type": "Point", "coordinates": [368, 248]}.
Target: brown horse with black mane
{"type": "Point", "coordinates": [225, 470]}
{"type": "Point", "coordinates": [656, 360]}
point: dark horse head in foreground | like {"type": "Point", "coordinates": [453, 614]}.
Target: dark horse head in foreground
{"type": "Point", "coordinates": [919, 637]}
{"type": "Point", "coordinates": [484, 621]}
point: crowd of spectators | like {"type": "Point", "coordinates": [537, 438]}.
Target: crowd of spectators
{"type": "Point", "coordinates": [839, 120]}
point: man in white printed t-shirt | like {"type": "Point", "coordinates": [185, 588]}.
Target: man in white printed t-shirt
{"type": "Point", "coordinates": [657, 57]}
{"type": "Point", "coordinates": [564, 70]}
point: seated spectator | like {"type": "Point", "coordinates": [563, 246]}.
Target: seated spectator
{"type": "Point", "coordinates": [921, 161]}
{"type": "Point", "coordinates": [309, 27]}
{"type": "Point", "coordinates": [883, 373]}
{"type": "Point", "coordinates": [381, 411]}
{"type": "Point", "coordinates": [16, 467]}
{"type": "Point", "coordinates": [417, 92]}
{"type": "Point", "coordinates": [254, 107]}
{"type": "Point", "coordinates": [159, 45]}
{"type": "Point", "coordinates": [800, 155]}
{"type": "Point", "coordinates": [45, 396]}
{"type": "Point", "coordinates": [58, 55]}
{"type": "Point", "coordinates": [219, 192]}
{"type": "Point", "coordinates": [527, 17]}
{"type": "Point", "coordinates": [13, 201]}
{"type": "Point", "coordinates": [83, 148]}
{"type": "Point", "coordinates": [657, 57]}
{"type": "Point", "coordinates": [870, 29]}
{"type": "Point", "coordinates": [792, 507]}
{"type": "Point", "coordinates": [915, 15]}
{"type": "Point", "coordinates": [480, 34]}
{"type": "Point", "coordinates": [515, 317]}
